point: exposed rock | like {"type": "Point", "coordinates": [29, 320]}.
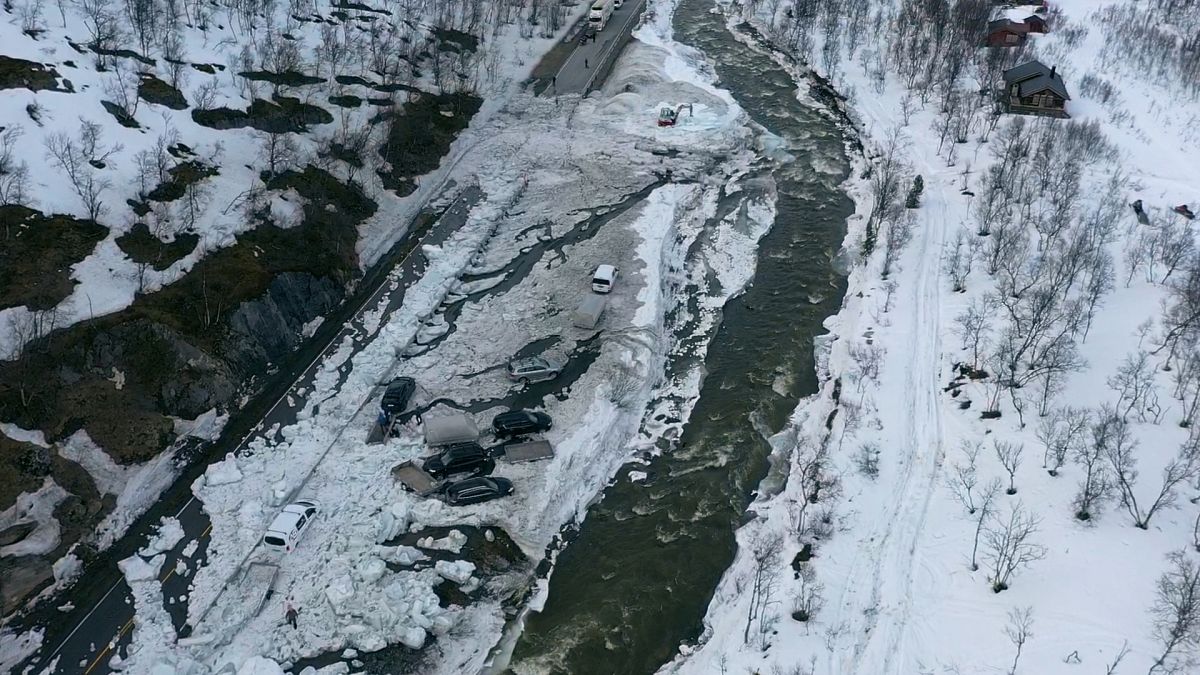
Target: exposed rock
{"type": "Point", "coordinates": [11, 535]}
{"type": "Point", "coordinates": [268, 328]}
{"type": "Point", "coordinates": [188, 381]}
{"type": "Point", "coordinates": [19, 577]}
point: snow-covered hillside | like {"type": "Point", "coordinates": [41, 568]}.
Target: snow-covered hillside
{"type": "Point", "coordinates": [999, 473]}
{"type": "Point", "coordinates": [64, 151]}
{"type": "Point", "coordinates": [187, 189]}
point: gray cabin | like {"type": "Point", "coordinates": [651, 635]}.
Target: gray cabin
{"type": "Point", "coordinates": [1033, 89]}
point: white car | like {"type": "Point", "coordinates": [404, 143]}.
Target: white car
{"type": "Point", "coordinates": [603, 278]}
{"type": "Point", "coordinates": [287, 528]}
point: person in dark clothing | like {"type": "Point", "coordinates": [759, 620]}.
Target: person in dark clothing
{"type": "Point", "coordinates": [585, 64]}
{"type": "Point", "coordinates": [291, 614]}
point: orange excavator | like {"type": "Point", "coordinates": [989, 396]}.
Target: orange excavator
{"type": "Point", "coordinates": [667, 117]}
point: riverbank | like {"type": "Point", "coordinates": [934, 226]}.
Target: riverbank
{"type": "Point", "coordinates": [862, 561]}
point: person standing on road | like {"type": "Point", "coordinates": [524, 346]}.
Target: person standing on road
{"type": "Point", "coordinates": [585, 63]}
{"type": "Point", "coordinates": [291, 614]}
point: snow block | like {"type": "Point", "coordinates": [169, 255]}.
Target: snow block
{"type": "Point", "coordinates": [458, 571]}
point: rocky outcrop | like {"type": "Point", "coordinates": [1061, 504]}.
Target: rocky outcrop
{"type": "Point", "coordinates": [264, 330]}
{"type": "Point", "coordinates": [159, 360]}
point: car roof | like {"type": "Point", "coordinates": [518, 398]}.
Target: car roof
{"type": "Point", "coordinates": [284, 522]}
{"type": "Point", "coordinates": [514, 415]}
{"type": "Point", "coordinates": [530, 361]}
{"type": "Point", "coordinates": [607, 271]}
{"type": "Point", "coordinates": [472, 483]}
{"type": "Point", "coordinates": [401, 383]}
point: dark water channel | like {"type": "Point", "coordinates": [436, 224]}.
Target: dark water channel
{"type": "Point", "coordinates": [636, 580]}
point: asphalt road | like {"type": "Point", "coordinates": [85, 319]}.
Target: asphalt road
{"type": "Point", "coordinates": [87, 637]}
{"type": "Point", "coordinates": [587, 63]}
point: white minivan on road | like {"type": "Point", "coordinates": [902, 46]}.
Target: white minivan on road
{"type": "Point", "coordinates": [603, 278]}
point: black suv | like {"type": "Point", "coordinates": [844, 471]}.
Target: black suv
{"type": "Point", "coordinates": [397, 395]}
{"type": "Point", "coordinates": [520, 422]}
{"type": "Point", "coordinates": [460, 458]}
{"type": "Point", "coordinates": [476, 490]}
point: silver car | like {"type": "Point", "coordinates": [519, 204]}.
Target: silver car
{"type": "Point", "coordinates": [533, 369]}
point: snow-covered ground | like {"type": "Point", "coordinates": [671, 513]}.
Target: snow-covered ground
{"type": "Point", "coordinates": [890, 586]}
{"type": "Point", "coordinates": [107, 279]}
{"type": "Point", "coordinates": [561, 182]}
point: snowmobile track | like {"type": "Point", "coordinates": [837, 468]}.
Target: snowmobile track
{"type": "Point", "coordinates": [881, 577]}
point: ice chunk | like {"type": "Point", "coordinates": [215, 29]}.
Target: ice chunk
{"type": "Point", "coordinates": [458, 571]}
{"type": "Point", "coordinates": [392, 522]}
{"type": "Point", "coordinates": [170, 533]}
{"type": "Point", "coordinates": [66, 567]}
{"type": "Point", "coordinates": [400, 555]}
{"type": "Point", "coordinates": [452, 542]}
{"type": "Point", "coordinates": [136, 569]}
{"type": "Point", "coordinates": [366, 639]}
{"type": "Point", "coordinates": [413, 638]}
{"type": "Point", "coordinates": [371, 570]}
{"type": "Point", "coordinates": [223, 472]}
{"type": "Point", "coordinates": [258, 665]}
{"type": "Point", "coordinates": [340, 590]}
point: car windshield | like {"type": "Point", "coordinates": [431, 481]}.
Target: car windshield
{"type": "Point", "coordinates": [273, 541]}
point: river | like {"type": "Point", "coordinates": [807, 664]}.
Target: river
{"type": "Point", "coordinates": [636, 579]}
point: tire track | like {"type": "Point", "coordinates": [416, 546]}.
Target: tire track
{"type": "Point", "coordinates": [881, 579]}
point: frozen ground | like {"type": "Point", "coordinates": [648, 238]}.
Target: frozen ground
{"type": "Point", "coordinates": [568, 184]}
{"type": "Point", "coordinates": [890, 587]}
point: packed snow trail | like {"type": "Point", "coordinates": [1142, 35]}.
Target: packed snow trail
{"type": "Point", "coordinates": [871, 620]}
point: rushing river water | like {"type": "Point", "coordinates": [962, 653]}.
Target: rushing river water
{"type": "Point", "coordinates": [636, 580]}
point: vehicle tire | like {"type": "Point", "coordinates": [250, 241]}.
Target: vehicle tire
{"type": "Point", "coordinates": [524, 381]}
{"type": "Point", "coordinates": [553, 374]}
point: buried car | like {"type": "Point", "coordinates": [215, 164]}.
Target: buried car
{"type": "Point", "coordinates": [533, 369]}
{"type": "Point", "coordinates": [520, 422]}
{"type": "Point", "coordinates": [397, 395]}
{"type": "Point", "coordinates": [476, 490]}
{"type": "Point", "coordinates": [460, 458]}
{"type": "Point", "coordinates": [285, 531]}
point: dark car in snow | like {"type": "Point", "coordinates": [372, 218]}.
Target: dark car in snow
{"type": "Point", "coordinates": [460, 458]}
{"type": "Point", "coordinates": [476, 490]}
{"type": "Point", "coordinates": [397, 395]}
{"type": "Point", "coordinates": [520, 422]}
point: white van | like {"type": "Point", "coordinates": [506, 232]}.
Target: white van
{"type": "Point", "coordinates": [598, 17]}
{"type": "Point", "coordinates": [603, 278]}
{"type": "Point", "coordinates": [285, 531]}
